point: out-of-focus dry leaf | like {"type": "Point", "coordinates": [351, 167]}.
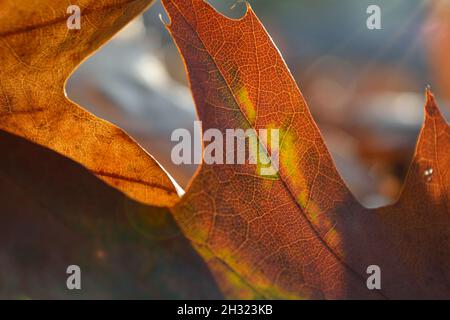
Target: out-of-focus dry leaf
{"type": "Point", "coordinates": [439, 44]}
{"type": "Point", "coordinates": [51, 220]}
{"type": "Point", "coordinates": [37, 54]}
{"type": "Point", "coordinates": [300, 234]}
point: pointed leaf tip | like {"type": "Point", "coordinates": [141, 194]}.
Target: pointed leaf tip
{"type": "Point", "coordinates": [431, 108]}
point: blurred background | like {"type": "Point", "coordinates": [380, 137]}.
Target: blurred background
{"type": "Point", "coordinates": [365, 88]}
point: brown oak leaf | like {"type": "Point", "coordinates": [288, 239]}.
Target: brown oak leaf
{"type": "Point", "coordinates": [55, 212]}
{"type": "Point", "coordinates": [37, 54]}
{"type": "Point", "coordinates": [300, 234]}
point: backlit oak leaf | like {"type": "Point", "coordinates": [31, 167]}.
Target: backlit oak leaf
{"type": "Point", "coordinates": [37, 54]}
{"type": "Point", "coordinates": [300, 233]}
{"type": "Point", "coordinates": [55, 212]}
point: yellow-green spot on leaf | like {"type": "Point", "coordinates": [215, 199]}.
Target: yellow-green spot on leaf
{"type": "Point", "coordinates": [246, 104]}
{"type": "Point", "coordinates": [302, 199]}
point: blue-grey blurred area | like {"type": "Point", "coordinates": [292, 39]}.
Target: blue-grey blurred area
{"type": "Point", "coordinates": [365, 88]}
